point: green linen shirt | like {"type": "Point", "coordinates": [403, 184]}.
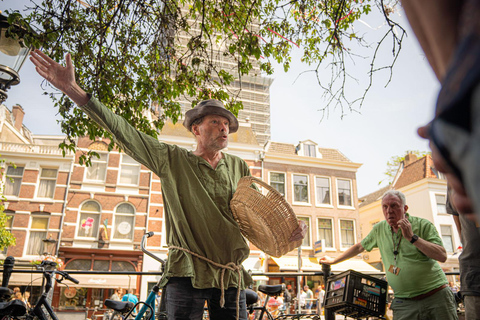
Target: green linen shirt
{"type": "Point", "coordinates": [196, 202]}
{"type": "Point", "coordinates": [418, 273]}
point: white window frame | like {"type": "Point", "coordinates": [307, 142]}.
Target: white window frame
{"type": "Point", "coordinates": [306, 147]}
{"type": "Point", "coordinates": [49, 179]}
{"type": "Point", "coordinates": [116, 215]}
{"type": "Point", "coordinates": [136, 164]}
{"type": "Point", "coordinates": [436, 203]}
{"type": "Point", "coordinates": [309, 232]}
{"type": "Point", "coordinates": [342, 248]}
{"type": "Point", "coordinates": [351, 194]}
{"type": "Point", "coordinates": [8, 177]}
{"type": "Point", "coordinates": [293, 190]}
{"type": "Point", "coordinates": [317, 203]}
{"type": "Point", "coordinates": [95, 160]}
{"type": "Point", "coordinates": [451, 237]}
{"type": "Point", "coordinates": [284, 180]}
{"type": "Point", "coordinates": [79, 222]}
{"type": "Point", "coordinates": [333, 232]}
{"type": "Point", "coordinates": [31, 230]}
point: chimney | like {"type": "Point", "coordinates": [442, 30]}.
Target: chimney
{"type": "Point", "coordinates": [18, 115]}
{"type": "Point", "coordinates": [410, 158]}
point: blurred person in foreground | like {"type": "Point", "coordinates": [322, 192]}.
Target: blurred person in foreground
{"type": "Point", "coordinates": [206, 247]}
{"type": "Point", "coordinates": [410, 248]}
{"type": "Point", "coordinates": [469, 259]}
{"type": "Point", "coordinates": [449, 34]}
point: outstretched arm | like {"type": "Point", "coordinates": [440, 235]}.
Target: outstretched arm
{"type": "Point", "coordinates": [62, 78]}
{"type": "Point", "coordinates": [349, 253]}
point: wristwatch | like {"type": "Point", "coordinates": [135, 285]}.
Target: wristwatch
{"type": "Point", "coordinates": [414, 238]}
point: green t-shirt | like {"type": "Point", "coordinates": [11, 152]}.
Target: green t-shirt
{"type": "Point", "coordinates": [196, 202]}
{"type": "Point", "coordinates": [418, 273]}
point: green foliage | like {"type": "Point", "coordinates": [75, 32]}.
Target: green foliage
{"type": "Point", "coordinates": [6, 237]}
{"type": "Point", "coordinates": [131, 53]}
{"type": "Point", "coordinates": [394, 162]}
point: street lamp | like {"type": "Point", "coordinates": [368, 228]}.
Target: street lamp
{"type": "Point", "coordinates": [49, 246]}
{"type": "Point", "coordinates": [12, 56]}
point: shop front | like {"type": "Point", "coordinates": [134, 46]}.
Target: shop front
{"type": "Point", "coordinates": [95, 272]}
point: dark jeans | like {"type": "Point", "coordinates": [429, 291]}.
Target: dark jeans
{"type": "Point", "coordinates": [184, 302]}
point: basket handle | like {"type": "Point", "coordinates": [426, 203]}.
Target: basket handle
{"type": "Point", "coordinates": [249, 180]}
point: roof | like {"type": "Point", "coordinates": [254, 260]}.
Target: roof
{"type": "Point", "coordinates": [244, 134]}
{"type": "Point", "coordinates": [290, 149]}
{"type": "Point", "coordinates": [374, 196]}
{"type": "Point", "coordinates": [416, 171]}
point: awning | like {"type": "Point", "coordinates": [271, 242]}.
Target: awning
{"type": "Point", "coordinates": [106, 281]}
{"type": "Point", "coordinates": [25, 279]}
{"type": "Point", "coordinates": [311, 264]}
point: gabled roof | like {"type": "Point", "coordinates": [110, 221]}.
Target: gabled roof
{"type": "Point", "coordinates": [416, 171]}
{"type": "Point", "coordinates": [372, 197]}
{"type": "Point", "coordinates": [289, 149]}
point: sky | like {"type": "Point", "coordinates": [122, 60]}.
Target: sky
{"type": "Point", "coordinates": [385, 126]}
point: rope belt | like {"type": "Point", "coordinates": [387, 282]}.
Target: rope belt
{"type": "Point", "coordinates": [230, 266]}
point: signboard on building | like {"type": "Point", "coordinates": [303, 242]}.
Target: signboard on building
{"type": "Point", "coordinates": [319, 247]}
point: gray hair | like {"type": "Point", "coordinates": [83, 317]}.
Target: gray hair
{"type": "Point", "coordinates": [397, 194]}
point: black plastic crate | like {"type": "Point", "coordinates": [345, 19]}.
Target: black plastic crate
{"type": "Point", "coordinates": [354, 294]}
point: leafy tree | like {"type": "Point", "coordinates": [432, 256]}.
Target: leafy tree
{"type": "Point", "coordinates": [132, 53]}
{"type": "Point", "coordinates": [394, 163]}
{"type": "Point", "coordinates": [6, 237]}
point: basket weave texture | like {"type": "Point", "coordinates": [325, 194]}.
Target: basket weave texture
{"type": "Point", "coordinates": [266, 220]}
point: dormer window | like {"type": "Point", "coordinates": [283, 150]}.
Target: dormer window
{"type": "Point", "coordinates": [309, 150]}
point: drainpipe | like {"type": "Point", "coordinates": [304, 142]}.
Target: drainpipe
{"type": "Point", "coordinates": [64, 207]}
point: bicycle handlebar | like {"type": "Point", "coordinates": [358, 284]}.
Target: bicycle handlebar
{"type": "Point", "coordinates": [142, 246]}
{"type": "Point", "coordinates": [68, 277]}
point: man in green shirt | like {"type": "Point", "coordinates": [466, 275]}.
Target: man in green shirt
{"type": "Point", "coordinates": [410, 248]}
{"type": "Point", "coordinates": [206, 248]}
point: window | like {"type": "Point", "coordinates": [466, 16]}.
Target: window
{"type": "Point", "coordinates": [277, 181]}
{"type": "Point", "coordinates": [347, 233]}
{"type": "Point", "coordinates": [441, 203]}
{"type": "Point", "coordinates": [323, 190]}
{"type": "Point", "coordinates": [124, 222]}
{"type": "Point", "coordinates": [129, 171]}
{"type": "Point", "coordinates": [309, 150]}
{"type": "Point", "coordinates": [13, 181]}
{"type": "Point", "coordinates": [38, 232]}
{"type": "Point", "coordinates": [98, 169]}
{"type": "Point", "coordinates": [306, 240]}
{"type": "Point", "coordinates": [300, 187]}
{"type": "Point", "coordinates": [447, 239]}
{"type": "Point", "coordinates": [89, 220]}
{"type": "Point", "coordinates": [325, 231]}
{"type": "Point", "coordinates": [344, 193]}
{"type": "Point", "coordinates": [48, 181]}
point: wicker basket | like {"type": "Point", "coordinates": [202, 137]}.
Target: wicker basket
{"type": "Point", "coordinates": [265, 220]}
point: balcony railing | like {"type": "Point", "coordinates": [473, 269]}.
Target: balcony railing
{"type": "Point", "coordinates": [31, 149]}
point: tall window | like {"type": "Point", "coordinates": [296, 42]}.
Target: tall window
{"type": "Point", "coordinates": [344, 192]}
{"type": "Point", "coordinates": [98, 170]}
{"type": "Point", "coordinates": [323, 190]}
{"type": "Point", "coordinates": [300, 186]}
{"type": "Point", "coordinates": [447, 239]}
{"type": "Point", "coordinates": [8, 226]}
{"type": "Point", "coordinates": [347, 233]}
{"type": "Point", "coordinates": [441, 203]}
{"type": "Point", "coordinates": [13, 181]}
{"type": "Point", "coordinates": [89, 219]}
{"type": "Point", "coordinates": [309, 150]}
{"type": "Point", "coordinates": [48, 181]}
{"type": "Point", "coordinates": [38, 232]}
{"type": "Point", "coordinates": [325, 231]}
{"type": "Point", "coordinates": [306, 240]}
{"type": "Point", "coordinates": [277, 181]}
{"type": "Point", "coordinates": [124, 222]}
{"type": "Point", "coordinates": [129, 171]}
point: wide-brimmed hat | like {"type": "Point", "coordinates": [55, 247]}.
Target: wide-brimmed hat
{"type": "Point", "coordinates": [207, 107]}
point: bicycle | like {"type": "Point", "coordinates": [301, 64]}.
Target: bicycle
{"type": "Point", "coordinates": [147, 311]}
{"type": "Point", "coordinates": [42, 309]}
